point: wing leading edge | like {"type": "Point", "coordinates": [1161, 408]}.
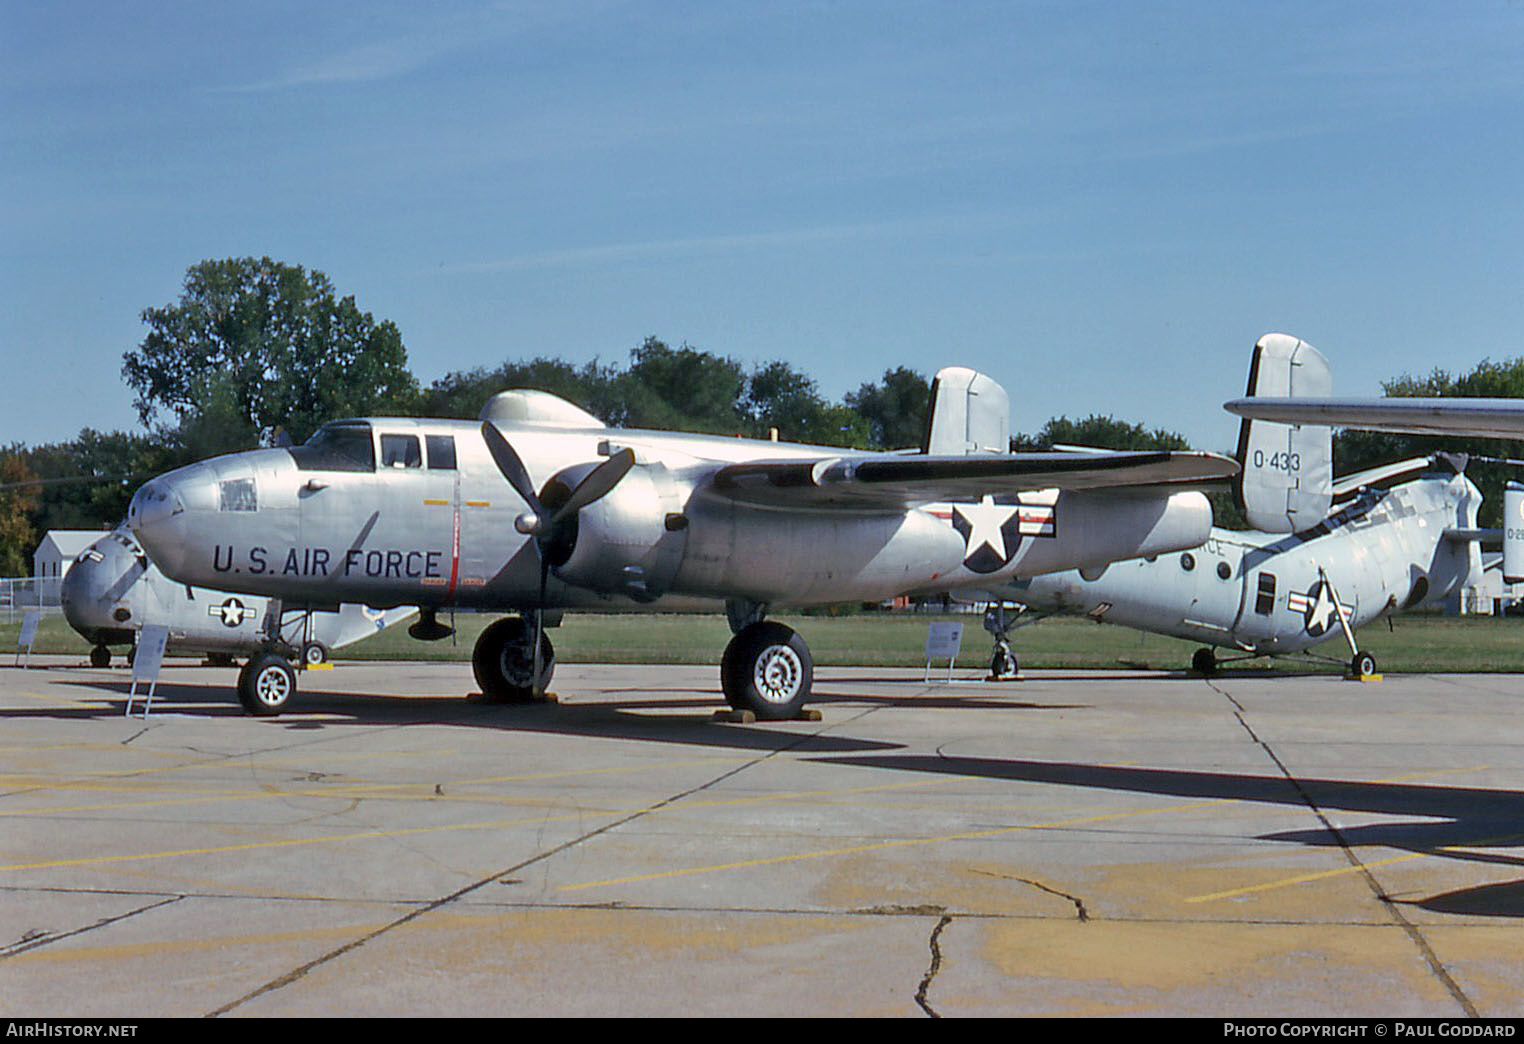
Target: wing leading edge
{"type": "Point", "coordinates": [904, 481]}
{"type": "Point", "coordinates": [1486, 418]}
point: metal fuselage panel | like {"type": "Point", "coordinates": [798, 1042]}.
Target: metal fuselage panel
{"type": "Point", "coordinates": [1263, 592]}
{"type": "Point", "coordinates": [410, 533]}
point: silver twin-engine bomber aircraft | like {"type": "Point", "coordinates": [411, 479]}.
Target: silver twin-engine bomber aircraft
{"type": "Point", "coordinates": [112, 590]}
{"type": "Point", "coordinates": [1323, 557]}
{"type": "Point", "coordinates": [539, 508]}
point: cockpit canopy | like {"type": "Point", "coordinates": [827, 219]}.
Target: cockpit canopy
{"type": "Point", "coordinates": [352, 445]}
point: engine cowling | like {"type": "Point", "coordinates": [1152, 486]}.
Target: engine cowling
{"type": "Point", "coordinates": [630, 541]}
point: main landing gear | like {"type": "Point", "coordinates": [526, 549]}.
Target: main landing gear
{"type": "Point", "coordinates": [766, 668]}
{"type": "Point", "coordinates": [504, 661]}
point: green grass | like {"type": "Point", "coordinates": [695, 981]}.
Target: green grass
{"type": "Point", "coordinates": [1419, 643]}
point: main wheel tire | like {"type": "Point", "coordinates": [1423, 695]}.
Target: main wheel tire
{"type": "Point", "coordinates": [100, 656]}
{"type": "Point", "coordinates": [314, 653]}
{"type": "Point", "coordinates": [1363, 665]}
{"type": "Point", "coordinates": [767, 670]}
{"type": "Point", "coordinates": [1204, 661]}
{"type": "Point", "coordinates": [266, 685]}
{"type": "Point", "coordinates": [503, 661]}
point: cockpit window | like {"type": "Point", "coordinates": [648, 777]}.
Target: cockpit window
{"type": "Point", "coordinates": [441, 452]}
{"type": "Point", "coordinates": [238, 495]}
{"type": "Point", "coordinates": [400, 451]}
{"type": "Point", "coordinates": [340, 446]}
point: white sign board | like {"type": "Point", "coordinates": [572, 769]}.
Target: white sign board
{"type": "Point", "coordinates": [147, 658]}
{"type": "Point", "coordinates": [943, 640]}
{"type": "Point", "coordinates": [28, 634]}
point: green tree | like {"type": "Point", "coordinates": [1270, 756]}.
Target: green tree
{"type": "Point", "coordinates": [683, 389]}
{"type": "Point", "coordinates": [894, 410]}
{"type": "Point", "coordinates": [1099, 432]}
{"type": "Point", "coordinates": [463, 394]}
{"type": "Point", "coordinates": [18, 499]}
{"type": "Point", "coordinates": [780, 397]}
{"type": "Point", "coordinates": [270, 344]}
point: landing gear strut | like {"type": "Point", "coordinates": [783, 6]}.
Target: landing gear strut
{"type": "Point", "coordinates": [1003, 665]}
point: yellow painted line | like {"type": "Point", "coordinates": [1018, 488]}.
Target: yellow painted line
{"type": "Point", "coordinates": [478, 503]}
{"type": "Point", "coordinates": [256, 846]}
{"type": "Point", "coordinates": [1304, 878]}
{"type": "Point", "coordinates": [1290, 882]}
{"type": "Point", "coordinates": [436, 503]}
{"type": "Point", "coordinates": [880, 846]}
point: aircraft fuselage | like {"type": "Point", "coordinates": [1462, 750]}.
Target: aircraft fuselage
{"type": "Point", "coordinates": [393, 511]}
{"type": "Point", "coordinates": [1274, 593]}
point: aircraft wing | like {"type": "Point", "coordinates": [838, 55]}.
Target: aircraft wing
{"type": "Point", "coordinates": [887, 481]}
{"type": "Point", "coordinates": [1489, 418]}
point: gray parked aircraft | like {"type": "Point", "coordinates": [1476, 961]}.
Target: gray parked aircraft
{"type": "Point", "coordinates": [540, 508]}
{"type": "Point", "coordinates": [113, 589]}
{"type": "Point", "coordinates": [1323, 558]}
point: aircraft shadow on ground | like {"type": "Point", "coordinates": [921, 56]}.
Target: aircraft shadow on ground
{"type": "Point", "coordinates": [608, 719]}
{"type": "Point", "coordinates": [1463, 824]}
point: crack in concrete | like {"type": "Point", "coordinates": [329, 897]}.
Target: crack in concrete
{"type": "Point", "coordinates": [300, 972]}
{"type": "Point", "coordinates": [1079, 904]}
{"type": "Point", "coordinates": [935, 943]}
{"type": "Point", "coordinates": [1436, 966]}
{"type": "Point", "coordinates": [37, 937]}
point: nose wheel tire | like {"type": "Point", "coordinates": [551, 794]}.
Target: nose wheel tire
{"type": "Point", "coordinates": [767, 670]}
{"type": "Point", "coordinates": [315, 653]}
{"type": "Point", "coordinates": [1363, 665]}
{"type": "Point", "coordinates": [266, 685]}
{"type": "Point", "coordinates": [503, 661]}
{"type": "Point", "coordinates": [1204, 661]}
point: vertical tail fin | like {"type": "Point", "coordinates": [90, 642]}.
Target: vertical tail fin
{"type": "Point", "coordinates": [970, 413]}
{"type": "Point", "coordinates": [1513, 533]}
{"type": "Point", "coordinates": [1286, 481]}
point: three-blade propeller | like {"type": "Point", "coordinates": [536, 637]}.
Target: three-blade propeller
{"type": "Point", "coordinates": [538, 522]}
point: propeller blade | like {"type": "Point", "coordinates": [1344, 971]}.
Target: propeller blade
{"type": "Point", "coordinates": [512, 467]}
{"type": "Point", "coordinates": [598, 483]}
{"type": "Point", "coordinates": [539, 626]}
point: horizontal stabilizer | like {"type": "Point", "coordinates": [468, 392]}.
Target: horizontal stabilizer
{"type": "Point", "coordinates": [1486, 418]}
{"type": "Point", "coordinates": [1354, 482]}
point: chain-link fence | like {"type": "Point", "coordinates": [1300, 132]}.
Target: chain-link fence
{"type": "Point", "coordinates": [18, 594]}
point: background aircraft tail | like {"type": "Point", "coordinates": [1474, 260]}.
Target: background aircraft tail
{"type": "Point", "coordinates": [1513, 533]}
{"type": "Point", "coordinates": [970, 413]}
{"type": "Point", "coordinates": [1287, 479]}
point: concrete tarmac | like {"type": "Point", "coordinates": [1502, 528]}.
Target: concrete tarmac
{"type": "Point", "coordinates": [1072, 844]}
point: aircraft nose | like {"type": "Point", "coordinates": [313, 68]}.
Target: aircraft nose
{"type": "Point", "coordinates": [156, 517]}
{"type": "Point", "coordinates": [78, 592]}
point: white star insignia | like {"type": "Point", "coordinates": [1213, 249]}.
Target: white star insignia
{"type": "Point", "coordinates": [984, 521]}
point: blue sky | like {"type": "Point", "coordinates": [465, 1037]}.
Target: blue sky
{"type": "Point", "coordinates": [1102, 205]}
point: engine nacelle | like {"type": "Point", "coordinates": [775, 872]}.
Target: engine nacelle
{"type": "Point", "coordinates": [630, 541]}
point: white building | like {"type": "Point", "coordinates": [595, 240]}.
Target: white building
{"type": "Point", "coordinates": [59, 549]}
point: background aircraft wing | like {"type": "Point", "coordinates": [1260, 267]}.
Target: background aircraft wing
{"type": "Point", "coordinates": [903, 481]}
{"type": "Point", "coordinates": [1488, 418]}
